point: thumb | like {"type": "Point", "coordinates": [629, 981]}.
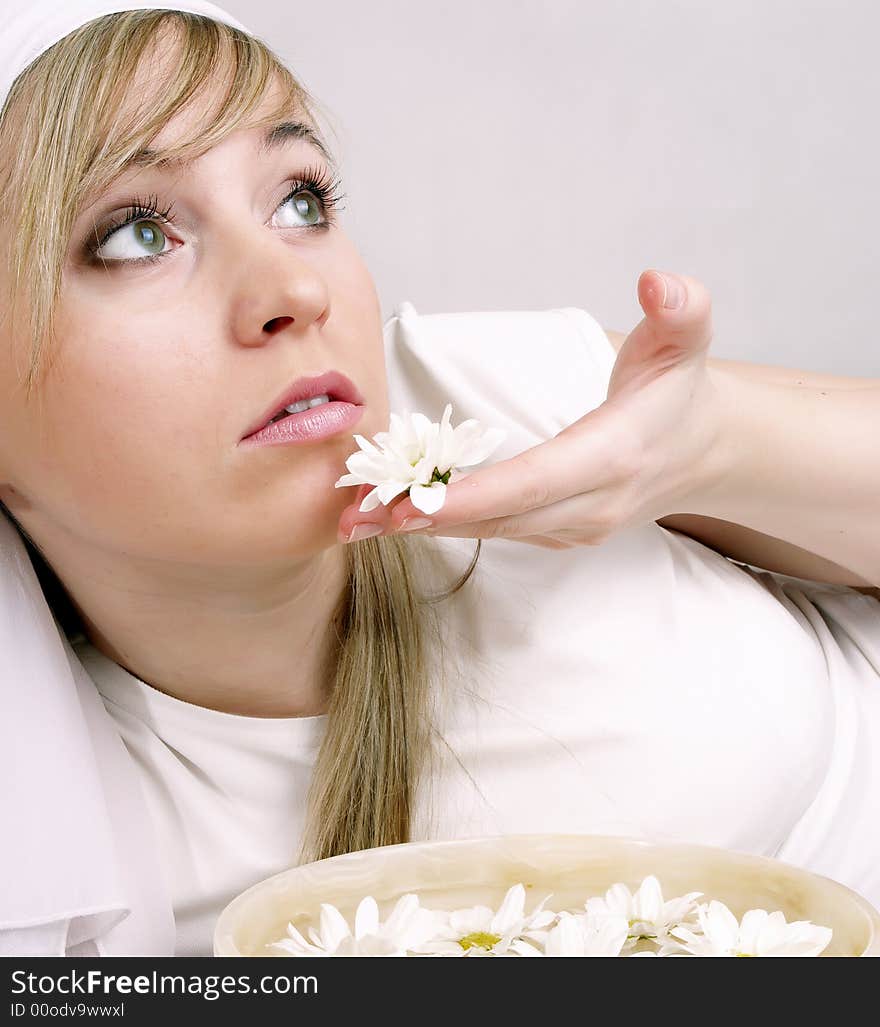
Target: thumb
{"type": "Point", "coordinates": [678, 309]}
{"type": "Point", "coordinates": [667, 335]}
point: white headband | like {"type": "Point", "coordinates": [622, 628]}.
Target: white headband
{"type": "Point", "coordinates": [76, 862]}
{"type": "Point", "coordinates": [31, 27]}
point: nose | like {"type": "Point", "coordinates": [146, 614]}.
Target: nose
{"type": "Point", "coordinates": [273, 287]}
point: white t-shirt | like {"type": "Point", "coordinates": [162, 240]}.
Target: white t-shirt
{"type": "Point", "coordinates": [646, 687]}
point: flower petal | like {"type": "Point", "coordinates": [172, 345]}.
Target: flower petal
{"type": "Point", "coordinates": [349, 479]}
{"type": "Point", "coordinates": [721, 926]}
{"type": "Point", "coordinates": [648, 901]}
{"type": "Point", "coordinates": [424, 430]}
{"type": "Point", "coordinates": [422, 471]}
{"type": "Point", "coordinates": [334, 927]}
{"type": "Point", "coordinates": [469, 921]}
{"type": "Point", "coordinates": [366, 917]}
{"type": "Point", "coordinates": [402, 914]}
{"type": "Point", "coordinates": [429, 499]}
{"type": "Point", "coordinates": [566, 938]}
{"type": "Point", "coordinates": [525, 948]}
{"type": "Point", "coordinates": [389, 489]}
{"type": "Point", "coordinates": [289, 946]}
{"type": "Point", "coordinates": [370, 501]}
{"type": "Point", "coordinates": [296, 944]}
{"type": "Point", "coordinates": [606, 935]}
{"type": "Point", "coordinates": [367, 468]}
{"type": "Point", "coordinates": [619, 900]}
{"type": "Point", "coordinates": [479, 449]}
{"type": "Point", "coordinates": [751, 928]}
{"type": "Point", "coordinates": [510, 910]}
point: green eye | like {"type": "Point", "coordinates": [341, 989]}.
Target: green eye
{"type": "Point", "coordinates": [149, 235]}
{"type": "Point", "coordinates": [306, 206]}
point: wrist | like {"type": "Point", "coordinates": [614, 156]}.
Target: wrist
{"type": "Point", "coordinates": [717, 478]}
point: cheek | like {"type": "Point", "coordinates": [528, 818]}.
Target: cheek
{"type": "Point", "coordinates": [149, 468]}
{"type": "Point", "coordinates": [126, 432]}
{"type": "Point", "coordinates": [137, 449]}
{"type": "Point", "coordinates": [356, 304]}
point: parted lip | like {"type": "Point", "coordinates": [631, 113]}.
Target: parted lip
{"type": "Point", "coordinates": [332, 383]}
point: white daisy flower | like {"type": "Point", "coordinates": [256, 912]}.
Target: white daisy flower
{"type": "Point", "coordinates": [417, 455]}
{"type": "Point", "coordinates": [649, 917]}
{"type": "Point", "coordinates": [579, 934]}
{"type": "Point", "coordinates": [407, 926]}
{"type": "Point", "coordinates": [758, 934]}
{"type": "Point", "coordinates": [481, 931]}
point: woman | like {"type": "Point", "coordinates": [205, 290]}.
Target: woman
{"type": "Point", "coordinates": [283, 695]}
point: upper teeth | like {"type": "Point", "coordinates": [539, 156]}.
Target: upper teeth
{"type": "Point", "coordinates": [304, 404]}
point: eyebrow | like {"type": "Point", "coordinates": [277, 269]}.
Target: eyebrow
{"type": "Point", "coordinates": [276, 137]}
{"type": "Point", "coordinates": [279, 134]}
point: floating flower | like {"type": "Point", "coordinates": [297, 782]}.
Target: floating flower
{"type": "Point", "coordinates": [407, 926]}
{"type": "Point", "coordinates": [649, 917]}
{"type": "Point", "coordinates": [759, 934]}
{"type": "Point", "coordinates": [583, 935]}
{"type": "Point", "coordinates": [481, 931]}
{"type": "Point", "coordinates": [417, 455]}
{"type": "Point", "coordinates": [619, 923]}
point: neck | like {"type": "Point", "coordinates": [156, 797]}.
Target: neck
{"type": "Point", "coordinates": [259, 642]}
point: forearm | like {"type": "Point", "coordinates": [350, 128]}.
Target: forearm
{"type": "Point", "coordinates": [746, 545]}
{"type": "Point", "coordinates": [798, 461]}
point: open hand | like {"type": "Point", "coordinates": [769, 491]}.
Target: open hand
{"type": "Point", "coordinates": [637, 457]}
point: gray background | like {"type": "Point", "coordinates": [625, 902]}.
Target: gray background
{"type": "Point", "coordinates": [516, 154]}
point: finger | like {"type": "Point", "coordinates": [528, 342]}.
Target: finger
{"type": "Point", "coordinates": [579, 520]}
{"type": "Point", "coordinates": [690, 323]}
{"type": "Point", "coordinates": [546, 542]}
{"type": "Point", "coordinates": [584, 457]}
{"type": "Point", "coordinates": [352, 515]}
{"type": "Point", "coordinates": [542, 541]}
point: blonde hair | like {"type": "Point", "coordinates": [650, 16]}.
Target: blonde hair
{"type": "Point", "coordinates": [68, 139]}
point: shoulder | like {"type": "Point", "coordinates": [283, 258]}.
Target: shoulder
{"type": "Point", "coordinates": [515, 334]}
{"type": "Point", "coordinates": [533, 372]}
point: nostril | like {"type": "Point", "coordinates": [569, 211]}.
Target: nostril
{"type": "Point", "coordinates": [276, 323]}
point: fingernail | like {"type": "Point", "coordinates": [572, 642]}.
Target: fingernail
{"type": "Point", "coordinates": [360, 531]}
{"type": "Point", "coordinates": [413, 523]}
{"type": "Point", "coordinates": [675, 292]}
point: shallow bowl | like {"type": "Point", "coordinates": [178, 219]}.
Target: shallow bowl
{"type": "Point", "coordinates": [471, 871]}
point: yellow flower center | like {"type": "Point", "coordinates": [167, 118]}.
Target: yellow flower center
{"type": "Point", "coordinates": [479, 940]}
{"type": "Point", "coordinates": [640, 931]}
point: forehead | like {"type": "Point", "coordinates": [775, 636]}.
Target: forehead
{"type": "Point", "coordinates": [202, 109]}
{"type": "Point", "coordinates": [152, 78]}
{"type": "Point", "coordinates": [289, 122]}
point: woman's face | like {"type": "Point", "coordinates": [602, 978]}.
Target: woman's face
{"type": "Point", "coordinates": [163, 366]}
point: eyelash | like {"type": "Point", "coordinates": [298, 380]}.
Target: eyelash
{"type": "Point", "coordinates": [318, 181]}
